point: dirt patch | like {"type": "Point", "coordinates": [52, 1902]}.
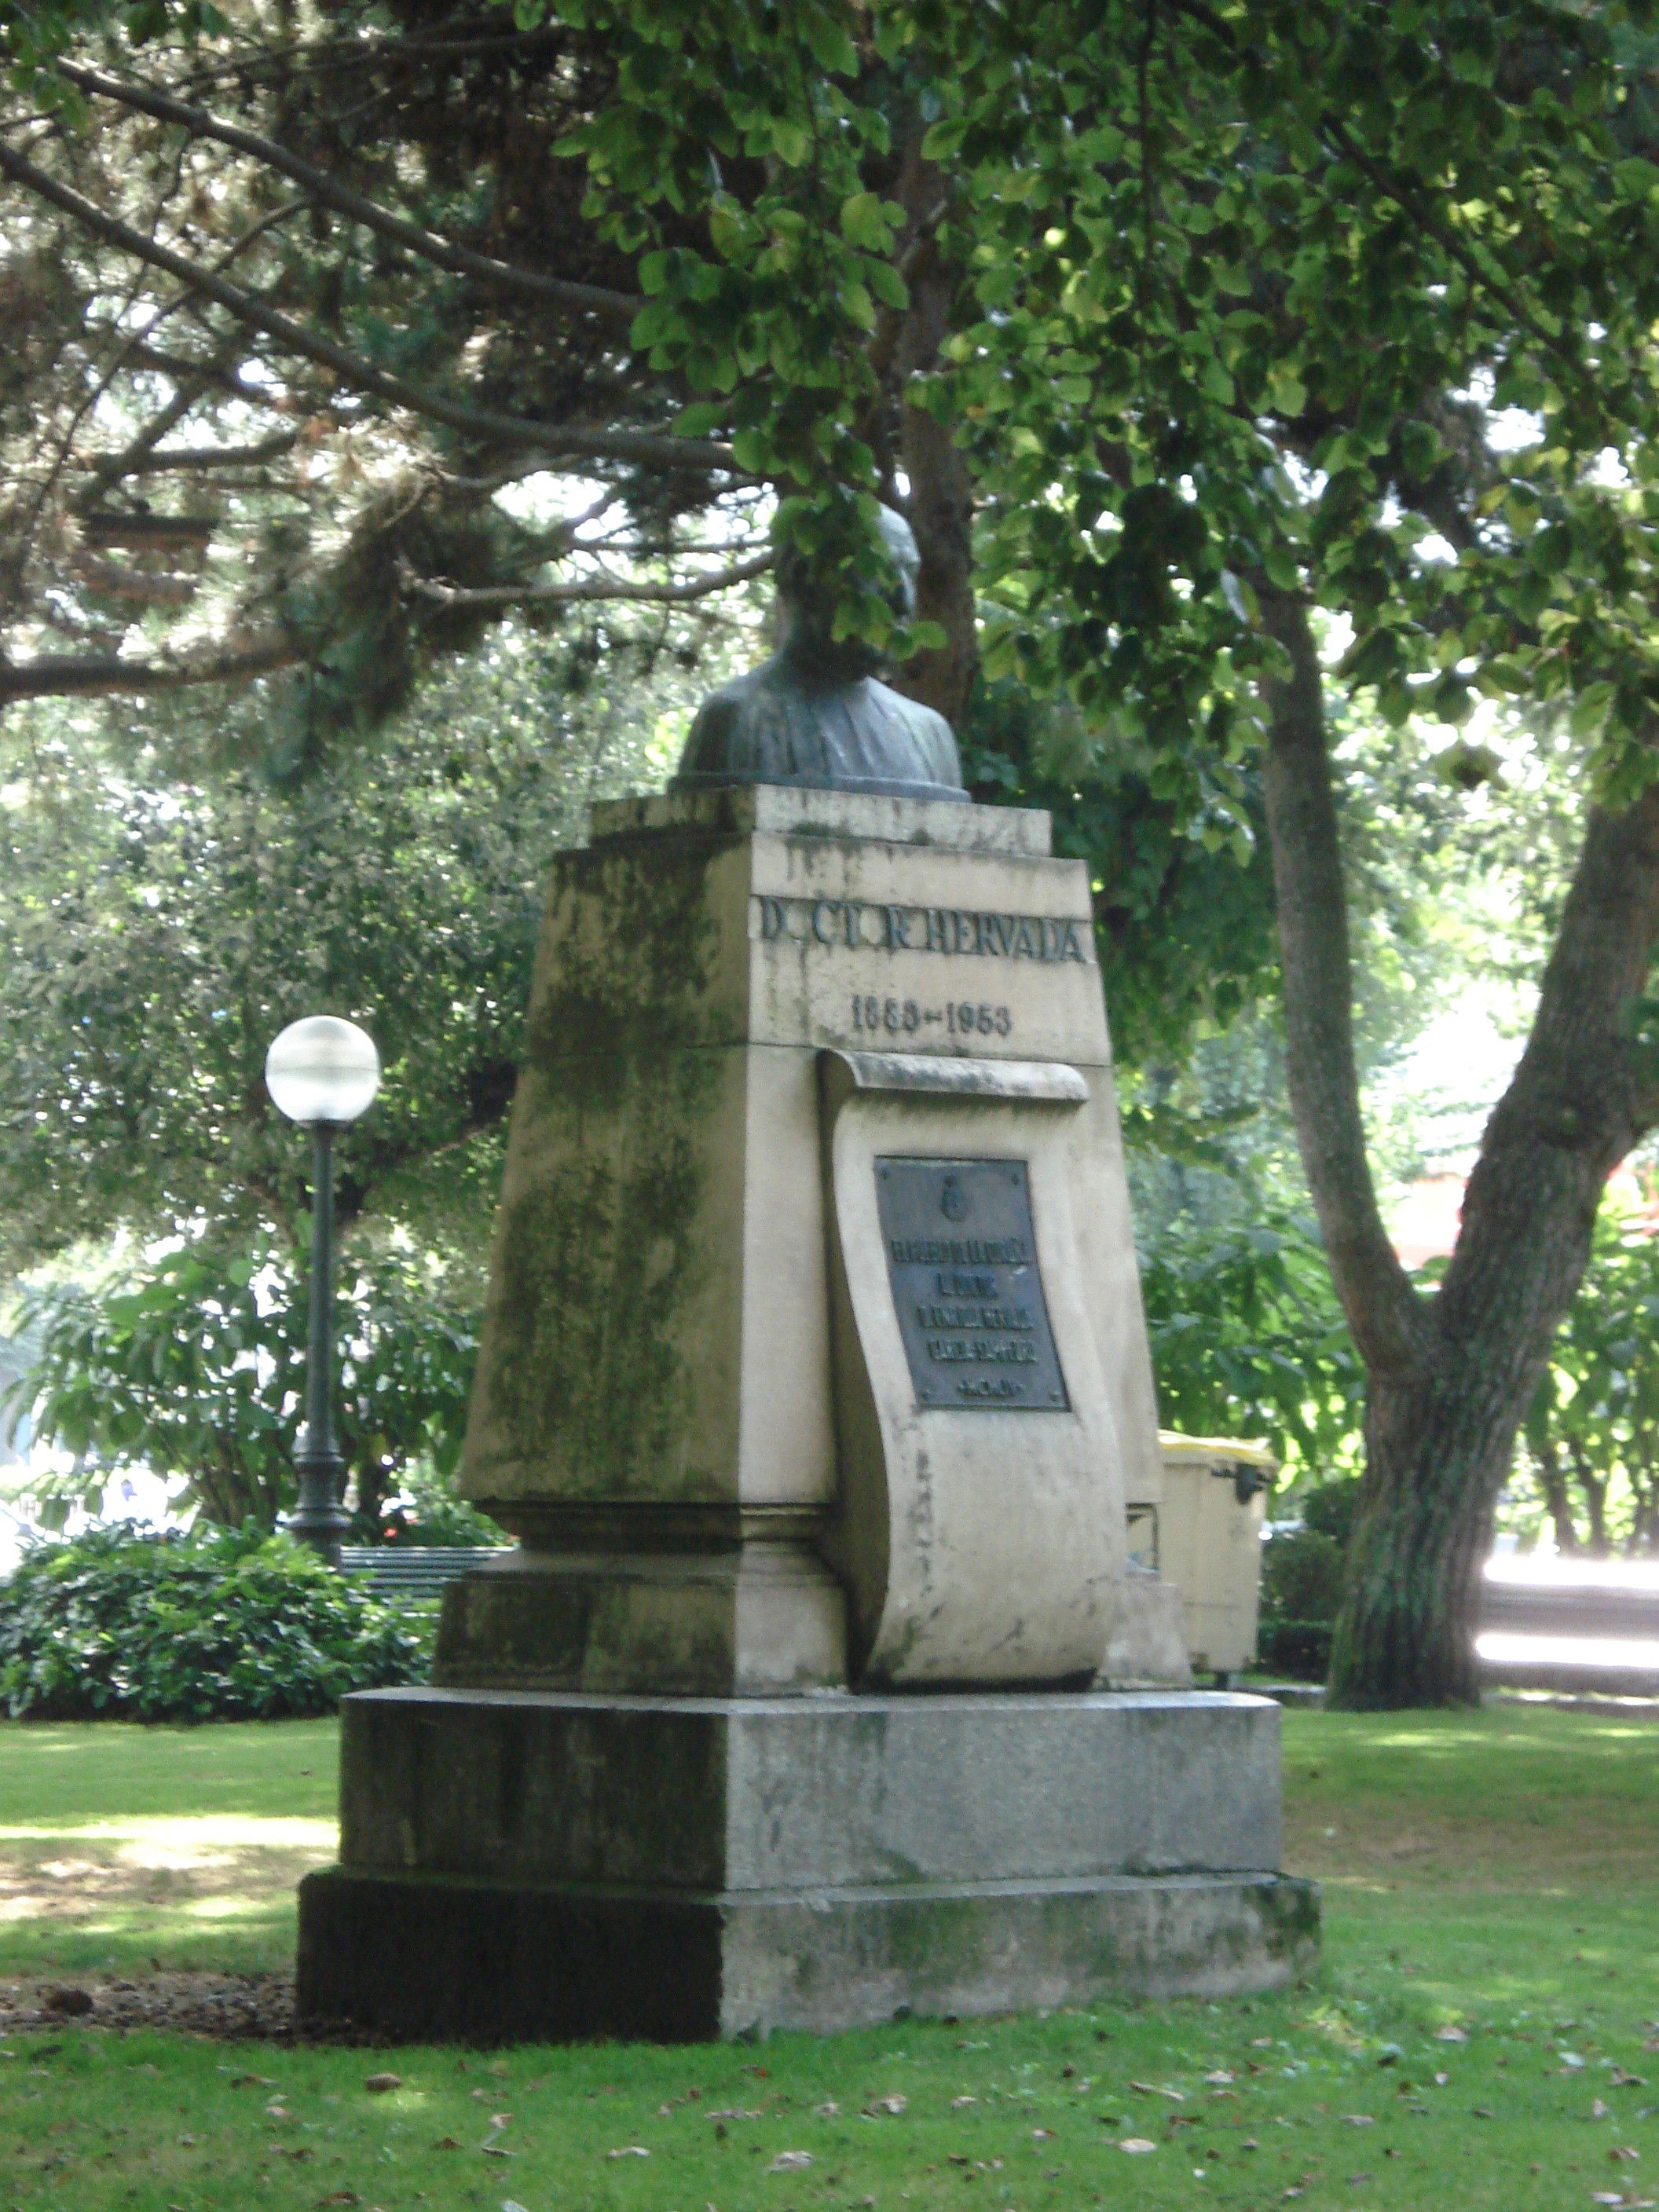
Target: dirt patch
{"type": "Point", "coordinates": [173, 1874]}
{"type": "Point", "coordinates": [225, 2008]}
{"type": "Point", "coordinates": [237, 2008]}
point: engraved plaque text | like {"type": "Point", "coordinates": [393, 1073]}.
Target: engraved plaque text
{"type": "Point", "coordinates": [963, 1261]}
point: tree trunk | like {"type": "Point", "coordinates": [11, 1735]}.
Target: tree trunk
{"type": "Point", "coordinates": [1449, 1377]}
{"type": "Point", "coordinates": [940, 504]}
{"type": "Point", "coordinates": [1553, 1483]}
{"type": "Point", "coordinates": [1594, 1488]}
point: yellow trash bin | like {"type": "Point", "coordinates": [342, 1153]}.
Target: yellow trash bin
{"type": "Point", "coordinates": [1207, 1540]}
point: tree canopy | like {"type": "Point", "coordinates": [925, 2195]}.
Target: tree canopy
{"type": "Point", "coordinates": [167, 906]}
{"type": "Point", "coordinates": [1183, 305]}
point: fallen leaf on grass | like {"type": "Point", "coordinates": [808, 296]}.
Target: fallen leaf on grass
{"type": "Point", "coordinates": [1220, 2075]}
{"type": "Point", "coordinates": [1043, 2135]}
{"type": "Point", "coordinates": [1157, 2089]}
{"type": "Point", "coordinates": [1359, 2119]}
{"type": "Point", "coordinates": [1449, 2034]}
{"type": "Point", "coordinates": [341, 2197]}
{"type": "Point", "coordinates": [958, 2103]}
{"type": "Point", "coordinates": [1136, 2144]}
{"type": "Point", "coordinates": [1622, 2151]}
{"type": "Point", "coordinates": [629, 2150]}
{"type": "Point", "coordinates": [1622, 2080]}
{"type": "Point", "coordinates": [378, 2084]}
{"type": "Point", "coordinates": [1601, 2111]}
{"type": "Point", "coordinates": [446, 2143]}
{"type": "Point", "coordinates": [893, 2104]}
{"type": "Point", "coordinates": [790, 2161]}
{"type": "Point", "coordinates": [491, 2150]}
{"type": "Point", "coordinates": [826, 2112]}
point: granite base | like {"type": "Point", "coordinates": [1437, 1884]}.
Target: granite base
{"type": "Point", "coordinates": [519, 1865]}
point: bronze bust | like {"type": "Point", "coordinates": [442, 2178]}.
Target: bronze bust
{"type": "Point", "coordinates": [816, 715]}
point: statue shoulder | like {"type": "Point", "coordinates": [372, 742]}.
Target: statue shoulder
{"type": "Point", "coordinates": [928, 730]}
{"type": "Point", "coordinates": [726, 711]}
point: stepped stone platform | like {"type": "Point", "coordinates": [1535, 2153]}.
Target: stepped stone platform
{"type": "Point", "coordinates": [518, 1864]}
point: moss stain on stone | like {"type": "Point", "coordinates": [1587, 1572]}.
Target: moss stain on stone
{"type": "Point", "coordinates": [598, 1265]}
{"type": "Point", "coordinates": [583, 1379]}
{"type": "Point", "coordinates": [630, 953]}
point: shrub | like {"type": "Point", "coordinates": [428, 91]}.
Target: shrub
{"type": "Point", "coordinates": [429, 1513]}
{"type": "Point", "coordinates": [221, 1624]}
{"type": "Point", "coordinates": [1300, 1649]}
{"type": "Point", "coordinates": [1302, 1577]}
{"type": "Point", "coordinates": [1328, 1509]}
{"type": "Point", "coordinates": [1301, 1587]}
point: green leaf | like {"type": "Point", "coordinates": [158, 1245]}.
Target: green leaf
{"type": "Point", "coordinates": [942, 139]}
{"type": "Point", "coordinates": [791, 141]}
{"type": "Point", "coordinates": [1281, 568]}
{"type": "Point", "coordinates": [888, 286]}
{"type": "Point", "coordinates": [1591, 708]}
{"type": "Point", "coordinates": [857, 306]}
{"type": "Point", "coordinates": [864, 223]}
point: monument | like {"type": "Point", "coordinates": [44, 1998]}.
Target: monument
{"type": "Point", "coordinates": [814, 1383]}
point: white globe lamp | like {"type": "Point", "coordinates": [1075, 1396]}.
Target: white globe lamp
{"type": "Point", "coordinates": [322, 1072]}
{"type": "Point", "coordinates": [323, 1069]}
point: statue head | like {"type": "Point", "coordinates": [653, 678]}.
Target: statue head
{"type": "Point", "coordinates": [810, 718]}
{"type": "Point", "coordinates": [809, 612]}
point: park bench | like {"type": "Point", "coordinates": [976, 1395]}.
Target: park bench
{"type": "Point", "coordinates": [412, 1574]}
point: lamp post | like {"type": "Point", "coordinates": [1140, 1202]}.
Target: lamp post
{"type": "Point", "coordinates": [324, 1073]}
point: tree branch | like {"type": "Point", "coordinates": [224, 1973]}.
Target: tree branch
{"type": "Point", "coordinates": [617, 309]}
{"type": "Point", "coordinates": [589, 589]}
{"type": "Point", "coordinates": [144, 587]}
{"type": "Point", "coordinates": [1383, 1311]}
{"type": "Point", "coordinates": [111, 467]}
{"type": "Point", "coordinates": [66, 676]}
{"type": "Point", "coordinates": [643, 448]}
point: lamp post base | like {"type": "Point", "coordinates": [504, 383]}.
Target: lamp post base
{"type": "Point", "coordinates": [319, 1519]}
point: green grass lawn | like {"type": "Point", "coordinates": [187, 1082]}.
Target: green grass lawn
{"type": "Point", "coordinates": [1484, 2032]}
{"type": "Point", "coordinates": [121, 1846]}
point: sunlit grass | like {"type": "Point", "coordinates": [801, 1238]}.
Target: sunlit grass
{"type": "Point", "coordinates": [121, 1847]}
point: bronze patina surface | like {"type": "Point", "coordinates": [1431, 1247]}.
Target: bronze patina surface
{"type": "Point", "coordinates": [816, 715]}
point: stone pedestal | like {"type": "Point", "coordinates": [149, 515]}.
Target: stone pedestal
{"type": "Point", "coordinates": [814, 1383]}
{"type": "Point", "coordinates": [542, 1865]}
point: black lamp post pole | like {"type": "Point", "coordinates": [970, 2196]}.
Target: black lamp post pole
{"type": "Point", "coordinates": [320, 1519]}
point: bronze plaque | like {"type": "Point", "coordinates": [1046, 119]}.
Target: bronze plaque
{"type": "Point", "coordinates": [963, 1261]}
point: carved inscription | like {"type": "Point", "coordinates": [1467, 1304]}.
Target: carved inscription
{"type": "Point", "coordinates": [854, 924]}
{"type": "Point", "coordinates": [963, 1261]}
{"type": "Point", "coordinates": [904, 1018]}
